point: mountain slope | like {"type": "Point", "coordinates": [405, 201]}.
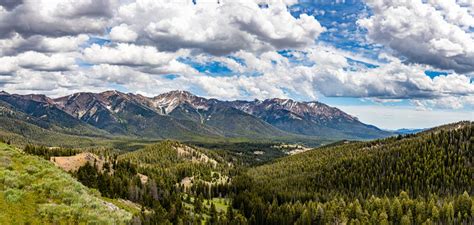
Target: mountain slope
{"type": "Point", "coordinates": [33, 191]}
{"type": "Point", "coordinates": [40, 111]}
{"type": "Point", "coordinates": [21, 128]}
{"type": "Point", "coordinates": [437, 161]}
{"type": "Point", "coordinates": [414, 179]}
{"type": "Point", "coordinates": [182, 115]}
{"type": "Point", "coordinates": [309, 118]}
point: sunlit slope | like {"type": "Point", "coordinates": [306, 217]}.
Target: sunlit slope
{"type": "Point", "coordinates": [439, 161]}
{"type": "Point", "coordinates": [33, 191]}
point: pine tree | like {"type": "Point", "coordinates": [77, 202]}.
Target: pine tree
{"type": "Point", "coordinates": [213, 214]}
{"type": "Point", "coordinates": [230, 214]}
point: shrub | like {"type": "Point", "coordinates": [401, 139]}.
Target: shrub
{"type": "Point", "coordinates": [5, 162]}
{"type": "Point", "coordinates": [31, 169]}
{"type": "Point", "coordinates": [13, 195]}
{"type": "Point", "coordinates": [10, 179]}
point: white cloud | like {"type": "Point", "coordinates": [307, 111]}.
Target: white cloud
{"type": "Point", "coordinates": [218, 28]}
{"type": "Point", "coordinates": [391, 81]}
{"type": "Point", "coordinates": [56, 17]}
{"type": "Point", "coordinates": [454, 12]}
{"type": "Point", "coordinates": [332, 76]}
{"type": "Point", "coordinates": [42, 41]}
{"type": "Point", "coordinates": [8, 65]}
{"type": "Point", "coordinates": [122, 33]}
{"type": "Point", "coordinates": [127, 54]}
{"type": "Point", "coordinates": [17, 44]}
{"type": "Point", "coordinates": [37, 62]}
{"type": "Point", "coordinates": [438, 33]}
{"type": "Point", "coordinates": [448, 102]}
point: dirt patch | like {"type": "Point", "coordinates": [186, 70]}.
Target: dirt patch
{"type": "Point", "coordinates": [187, 182]}
{"type": "Point", "coordinates": [73, 163]}
{"type": "Point", "coordinates": [143, 178]}
{"type": "Point", "coordinates": [194, 155]}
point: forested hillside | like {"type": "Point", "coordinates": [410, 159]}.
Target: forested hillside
{"type": "Point", "coordinates": [416, 178]}
{"type": "Point", "coordinates": [170, 182]}
{"type": "Point", "coordinates": [424, 178]}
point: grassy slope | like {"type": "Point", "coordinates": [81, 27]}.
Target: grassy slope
{"type": "Point", "coordinates": [33, 191]}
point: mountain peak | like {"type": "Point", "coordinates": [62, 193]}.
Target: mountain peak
{"type": "Point", "coordinates": [168, 101]}
{"type": "Point", "coordinates": [282, 101]}
{"type": "Point", "coordinates": [181, 110]}
{"type": "Point", "coordinates": [178, 97]}
{"type": "Point", "coordinates": [112, 92]}
{"type": "Point", "coordinates": [177, 93]}
{"type": "Point", "coordinates": [39, 98]}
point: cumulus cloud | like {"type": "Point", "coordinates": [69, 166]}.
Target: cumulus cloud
{"type": "Point", "coordinates": [122, 33]}
{"type": "Point", "coordinates": [37, 62]}
{"type": "Point", "coordinates": [55, 18]}
{"type": "Point", "coordinates": [127, 54]}
{"type": "Point", "coordinates": [448, 102]}
{"type": "Point", "coordinates": [215, 28]}
{"type": "Point", "coordinates": [393, 117]}
{"type": "Point", "coordinates": [8, 65]}
{"type": "Point", "coordinates": [48, 46]}
{"type": "Point", "coordinates": [42, 62]}
{"type": "Point", "coordinates": [17, 44]}
{"type": "Point", "coordinates": [277, 76]}
{"type": "Point", "coordinates": [331, 75]}
{"type": "Point", "coordinates": [10, 4]}
{"type": "Point", "coordinates": [438, 33]}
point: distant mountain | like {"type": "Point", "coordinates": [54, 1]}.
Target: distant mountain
{"type": "Point", "coordinates": [409, 131]}
{"type": "Point", "coordinates": [309, 118]}
{"type": "Point", "coordinates": [182, 115]}
{"type": "Point", "coordinates": [24, 113]}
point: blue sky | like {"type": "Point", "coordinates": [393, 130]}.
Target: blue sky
{"type": "Point", "coordinates": [391, 63]}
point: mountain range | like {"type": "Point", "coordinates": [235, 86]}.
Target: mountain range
{"type": "Point", "coordinates": [180, 115]}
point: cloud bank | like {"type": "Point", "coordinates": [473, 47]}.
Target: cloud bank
{"type": "Point", "coordinates": [437, 33]}
{"type": "Point", "coordinates": [235, 50]}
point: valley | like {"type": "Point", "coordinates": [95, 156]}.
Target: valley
{"type": "Point", "coordinates": [236, 112]}
{"type": "Point", "coordinates": [393, 180]}
{"type": "Point", "coordinates": [180, 159]}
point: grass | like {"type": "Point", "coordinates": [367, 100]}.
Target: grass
{"type": "Point", "coordinates": [128, 206]}
{"type": "Point", "coordinates": [221, 204]}
{"type": "Point", "coordinates": [33, 191]}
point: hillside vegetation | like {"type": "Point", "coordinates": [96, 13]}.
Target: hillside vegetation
{"type": "Point", "coordinates": [416, 178]}
{"type": "Point", "coordinates": [433, 162]}
{"type": "Point", "coordinates": [195, 170]}
{"type": "Point", "coordinates": [424, 178]}
{"type": "Point", "coordinates": [34, 191]}
{"type": "Point", "coordinates": [171, 182]}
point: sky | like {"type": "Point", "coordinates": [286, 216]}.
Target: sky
{"type": "Point", "coordinates": [392, 63]}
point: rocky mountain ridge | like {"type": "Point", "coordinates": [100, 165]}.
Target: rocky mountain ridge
{"type": "Point", "coordinates": [177, 114]}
